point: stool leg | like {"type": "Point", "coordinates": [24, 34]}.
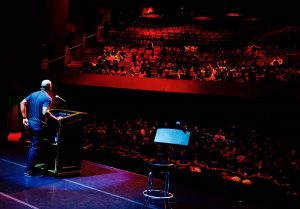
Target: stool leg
{"type": "Point", "coordinates": [167, 183]}
{"type": "Point", "coordinates": [150, 182]}
{"type": "Point", "coordinates": [149, 189]}
{"type": "Point", "coordinates": [166, 204]}
{"type": "Point", "coordinates": [167, 190]}
{"type": "Point", "coordinates": [145, 203]}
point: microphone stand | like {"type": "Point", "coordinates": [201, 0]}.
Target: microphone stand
{"type": "Point", "coordinates": [66, 108]}
{"type": "Point", "coordinates": [65, 104]}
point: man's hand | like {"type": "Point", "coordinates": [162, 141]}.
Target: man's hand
{"type": "Point", "coordinates": [58, 118]}
{"type": "Point", "coordinates": [25, 121]}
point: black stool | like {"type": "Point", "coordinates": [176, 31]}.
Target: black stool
{"type": "Point", "coordinates": [162, 194]}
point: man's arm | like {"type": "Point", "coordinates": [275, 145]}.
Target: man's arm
{"type": "Point", "coordinates": [23, 108]}
{"type": "Point", "coordinates": [46, 111]}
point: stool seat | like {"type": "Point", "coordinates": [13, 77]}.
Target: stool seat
{"type": "Point", "coordinates": [162, 163]}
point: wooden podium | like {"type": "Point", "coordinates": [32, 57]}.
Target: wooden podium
{"type": "Point", "coordinates": [66, 139]}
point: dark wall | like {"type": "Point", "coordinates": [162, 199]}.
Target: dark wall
{"type": "Point", "coordinates": [273, 114]}
{"type": "Point", "coordinates": [29, 25]}
{"type": "Point", "coordinates": [23, 38]}
{"type": "Point", "coordinates": [21, 44]}
{"type": "Point", "coordinates": [281, 9]}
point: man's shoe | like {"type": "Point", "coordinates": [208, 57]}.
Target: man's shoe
{"type": "Point", "coordinates": [29, 174]}
{"type": "Point", "coordinates": [33, 174]}
{"type": "Point", "coordinates": [39, 173]}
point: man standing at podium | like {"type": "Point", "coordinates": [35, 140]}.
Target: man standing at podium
{"type": "Point", "coordinates": [35, 110]}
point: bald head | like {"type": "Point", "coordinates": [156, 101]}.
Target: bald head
{"type": "Point", "coordinates": [46, 85]}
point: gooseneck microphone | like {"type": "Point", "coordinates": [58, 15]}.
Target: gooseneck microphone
{"type": "Point", "coordinates": [58, 97]}
{"type": "Point", "coordinates": [65, 103]}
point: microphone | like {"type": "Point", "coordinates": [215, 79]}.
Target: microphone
{"type": "Point", "coordinates": [58, 97]}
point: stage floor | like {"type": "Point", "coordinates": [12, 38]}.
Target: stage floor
{"type": "Point", "coordinates": [98, 187]}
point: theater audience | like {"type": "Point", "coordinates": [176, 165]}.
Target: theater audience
{"type": "Point", "coordinates": [253, 159]}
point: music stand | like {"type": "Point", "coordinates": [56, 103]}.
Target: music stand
{"type": "Point", "coordinates": [172, 136]}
